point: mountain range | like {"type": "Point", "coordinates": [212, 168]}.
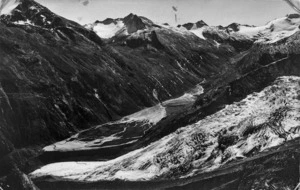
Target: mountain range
{"type": "Point", "coordinates": [128, 103]}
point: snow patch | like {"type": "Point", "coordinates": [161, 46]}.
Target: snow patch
{"type": "Point", "coordinates": [152, 115]}
{"type": "Point", "coordinates": [108, 31]}
{"type": "Point", "coordinates": [155, 114]}
{"type": "Point", "coordinates": [22, 22]}
{"type": "Point", "coordinates": [64, 146]}
{"type": "Point", "coordinates": [199, 32]}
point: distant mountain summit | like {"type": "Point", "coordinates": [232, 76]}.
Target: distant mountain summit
{"type": "Point", "coordinates": [275, 31]}
{"type": "Point", "coordinates": [25, 13]}
{"type": "Point", "coordinates": [134, 23]}
{"type": "Point", "coordinates": [28, 12]}
{"type": "Point", "coordinates": [120, 26]}
{"type": "Point", "coordinates": [190, 26]}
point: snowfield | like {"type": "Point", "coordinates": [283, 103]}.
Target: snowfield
{"type": "Point", "coordinates": [274, 31]}
{"type": "Point", "coordinates": [152, 115]}
{"type": "Point", "coordinates": [260, 121]}
{"type": "Point", "coordinates": [199, 32]}
{"type": "Point", "coordinates": [108, 30]}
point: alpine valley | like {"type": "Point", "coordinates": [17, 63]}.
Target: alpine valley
{"type": "Point", "coordinates": [128, 103]}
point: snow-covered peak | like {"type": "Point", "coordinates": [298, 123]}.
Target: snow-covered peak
{"type": "Point", "coordinates": [273, 31]}
{"type": "Point", "coordinates": [109, 28]}
{"type": "Point", "coordinates": [7, 6]}
{"type": "Point", "coordinates": [30, 13]}
{"type": "Point", "coordinates": [139, 21]}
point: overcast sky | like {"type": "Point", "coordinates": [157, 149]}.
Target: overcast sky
{"type": "Point", "coordinates": [213, 12]}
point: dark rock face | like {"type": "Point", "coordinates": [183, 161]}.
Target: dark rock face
{"type": "Point", "coordinates": [293, 16]}
{"type": "Point", "coordinates": [233, 27]}
{"type": "Point", "coordinates": [107, 21]}
{"type": "Point", "coordinates": [18, 180]}
{"type": "Point", "coordinates": [240, 43]}
{"type": "Point", "coordinates": [134, 23]}
{"type": "Point", "coordinates": [222, 35]}
{"type": "Point", "coordinates": [190, 25]}
{"type": "Point", "coordinates": [200, 24]}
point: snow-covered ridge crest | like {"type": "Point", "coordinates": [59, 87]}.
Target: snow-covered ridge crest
{"type": "Point", "coordinates": [7, 6]}
{"type": "Point", "coordinates": [273, 31]}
